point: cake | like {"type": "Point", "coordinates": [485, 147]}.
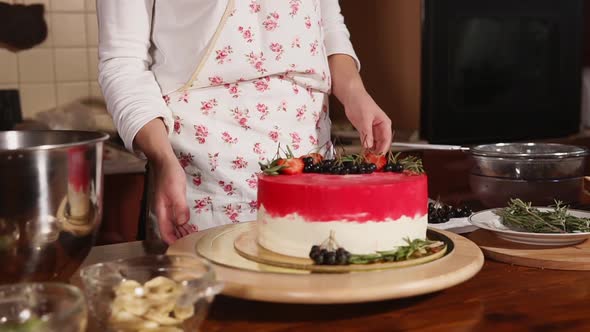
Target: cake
{"type": "Point", "coordinates": [364, 213]}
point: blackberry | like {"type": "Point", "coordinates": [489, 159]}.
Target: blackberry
{"type": "Point", "coordinates": [372, 167]}
{"type": "Point", "coordinates": [308, 160]}
{"type": "Point", "coordinates": [388, 168]}
{"type": "Point", "coordinates": [308, 168]}
{"type": "Point", "coordinates": [398, 168]}
{"type": "Point", "coordinates": [330, 258]}
{"type": "Point", "coordinates": [317, 168]}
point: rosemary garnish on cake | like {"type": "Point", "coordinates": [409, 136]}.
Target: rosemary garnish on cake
{"type": "Point", "coordinates": [330, 253]}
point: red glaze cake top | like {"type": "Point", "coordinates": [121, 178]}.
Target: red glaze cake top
{"type": "Point", "coordinates": [358, 198]}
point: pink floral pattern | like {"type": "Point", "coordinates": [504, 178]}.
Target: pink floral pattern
{"type": "Point", "coordinates": [203, 204]}
{"type": "Point", "coordinates": [252, 181]}
{"type": "Point", "coordinates": [259, 151]}
{"type": "Point", "coordinates": [253, 206]}
{"type": "Point", "coordinates": [271, 22]}
{"type": "Point", "coordinates": [228, 138]}
{"type": "Point", "coordinates": [294, 5]}
{"type": "Point", "coordinates": [254, 7]}
{"type": "Point", "coordinates": [208, 105]}
{"type": "Point", "coordinates": [228, 188]}
{"type": "Point", "coordinates": [247, 34]}
{"type": "Point", "coordinates": [277, 48]}
{"type": "Point", "coordinates": [201, 133]}
{"type": "Point", "coordinates": [241, 116]}
{"type": "Point", "coordinates": [264, 84]}
{"type": "Point", "coordinates": [197, 179]}
{"type": "Point", "coordinates": [233, 211]}
{"type": "Point", "coordinates": [223, 55]}
{"type": "Point", "coordinates": [239, 163]}
{"type": "Point", "coordinates": [263, 110]}
{"type": "Point", "coordinates": [185, 159]}
{"type": "Point", "coordinates": [233, 89]}
{"type": "Point", "coordinates": [295, 140]}
{"type": "Point", "coordinates": [257, 61]}
{"type": "Point", "coordinates": [177, 124]}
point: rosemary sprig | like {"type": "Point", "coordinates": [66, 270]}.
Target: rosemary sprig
{"type": "Point", "coordinates": [522, 216]}
{"type": "Point", "coordinates": [414, 249]}
{"type": "Point", "coordinates": [410, 163]}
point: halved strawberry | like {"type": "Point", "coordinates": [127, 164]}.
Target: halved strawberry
{"type": "Point", "coordinates": [291, 166]}
{"type": "Point", "coordinates": [378, 159]}
{"type": "Point", "coordinates": [317, 158]}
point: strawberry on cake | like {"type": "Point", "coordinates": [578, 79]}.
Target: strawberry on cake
{"type": "Point", "coordinates": [367, 204]}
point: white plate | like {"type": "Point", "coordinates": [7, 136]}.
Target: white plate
{"type": "Point", "coordinates": [488, 220]}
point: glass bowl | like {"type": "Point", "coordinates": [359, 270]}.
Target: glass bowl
{"type": "Point", "coordinates": [42, 307]}
{"type": "Point", "coordinates": [168, 293]}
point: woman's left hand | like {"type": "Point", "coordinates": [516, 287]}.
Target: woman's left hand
{"type": "Point", "coordinates": [373, 125]}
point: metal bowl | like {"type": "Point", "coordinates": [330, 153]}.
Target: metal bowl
{"type": "Point", "coordinates": [50, 202]}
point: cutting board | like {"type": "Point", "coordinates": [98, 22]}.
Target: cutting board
{"type": "Point", "coordinates": [575, 257]}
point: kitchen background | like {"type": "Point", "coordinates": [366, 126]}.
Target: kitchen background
{"type": "Point", "coordinates": [63, 68]}
{"type": "Point", "coordinates": [60, 75]}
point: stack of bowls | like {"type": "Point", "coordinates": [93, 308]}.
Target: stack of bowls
{"type": "Point", "coordinates": [539, 173]}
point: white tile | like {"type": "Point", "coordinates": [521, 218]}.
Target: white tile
{"type": "Point", "coordinates": [67, 5]}
{"type": "Point", "coordinates": [36, 98]}
{"type": "Point", "coordinates": [9, 86]}
{"type": "Point", "coordinates": [68, 29]}
{"type": "Point", "coordinates": [44, 2]}
{"type": "Point", "coordinates": [95, 90]}
{"type": "Point", "coordinates": [91, 5]}
{"type": "Point", "coordinates": [71, 64]}
{"type": "Point", "coordinates": [36, 66]}
{"type": "Point", "coordinates": [69, 92]}
{"type": "Point", "coordinates": [92, 29]}
{"type": "Point", "coordinates": [93, 64]}
{"type": "Point", "coordinates": [8, 67]}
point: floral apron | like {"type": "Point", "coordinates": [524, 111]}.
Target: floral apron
{"type": "Point", "coordinates": [264, 80]}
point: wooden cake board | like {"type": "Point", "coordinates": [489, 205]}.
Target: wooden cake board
{"type": "Point", "coordinates": [254, 281]}
{"type": "Point", "coordinates": [574, 257]}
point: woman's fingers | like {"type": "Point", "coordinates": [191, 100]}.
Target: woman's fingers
{"type": "Point", "coordinates": [383, 136]}
{"type": "Point", "coordinates": [165, 222]}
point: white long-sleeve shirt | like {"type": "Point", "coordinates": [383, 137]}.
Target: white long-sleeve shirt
{"type": "Point", "coordinates": [148, 48]}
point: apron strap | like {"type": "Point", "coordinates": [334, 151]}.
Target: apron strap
{"type": "Point", "coordinates": [228, 9]}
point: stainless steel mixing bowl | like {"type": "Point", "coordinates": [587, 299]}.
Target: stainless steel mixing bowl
{"type": "Point", "coordinates": [50, 202]}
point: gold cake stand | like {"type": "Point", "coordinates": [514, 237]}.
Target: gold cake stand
{"type": "Point", "coordinates": [253, 280]}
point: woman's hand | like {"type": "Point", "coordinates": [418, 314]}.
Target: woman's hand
{"type": "Point", "coordinates": [170, 199]}
{"type": "Point", "coordinates": [170, 181]}
{"type": "Point", "coordinates": [373, 125]}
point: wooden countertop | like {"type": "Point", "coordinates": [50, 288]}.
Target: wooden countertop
{"type": "Point", "coordinates": [500, 297]}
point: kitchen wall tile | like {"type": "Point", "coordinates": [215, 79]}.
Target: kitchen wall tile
{"type": "Point", "coordinates": [8, 67]}
{"type": "Point", "coordinates": [92, 29]}
{"type": "Point", "coordinates": [71, 64]}
{"type": "Point", "coordinates": [67, 5]}
{"type": "Point", "coordinates": [95, 90]}
{"type": "Point", "coordinates": [91, 5]}
{"type": "Point", "coordinates": [93, 64]}
{"type": "Point", "coordinates": [9, 86]}
{"type": "Point", "coordinates": [36, 66]}
{"type": "Point", "coordinates": [69, 29]}
{"type": "Point", "coordinates": [46, 3]}
{"type": "Point", "coordinates": [69, 92]}
{"type": "Point", "coordinates": [36, 98]}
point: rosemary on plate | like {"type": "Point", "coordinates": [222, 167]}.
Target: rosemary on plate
{"type": "Point", "coordinates": [522, 216]}
{"type": "Point", "coordinates": [415, 249]}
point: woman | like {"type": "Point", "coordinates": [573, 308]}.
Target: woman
{"type": "Point", "coordinates": [207, 89]}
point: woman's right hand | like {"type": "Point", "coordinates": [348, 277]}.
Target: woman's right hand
{"type": "Point", "coordinates": [170, 180]}
{"type": "Point", "coordinates": [170, 199]}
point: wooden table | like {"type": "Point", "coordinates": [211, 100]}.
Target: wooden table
{"type": "Point", "coordinates": [501, 297]}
